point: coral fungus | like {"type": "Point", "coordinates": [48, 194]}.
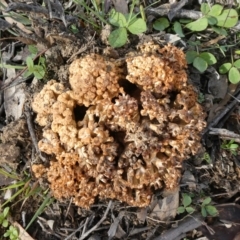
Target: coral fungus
{"type": "Point", "coordinates": [121, 131]}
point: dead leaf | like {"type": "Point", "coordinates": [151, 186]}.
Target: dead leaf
{"type": "Point", "coordinates": [94, 237]}
{"type": "Point", "coordinates": [9, 155]}
{"type": "Point", "coordinates": [11, 20]}
{"type": "Point", "coordinates": [217, 85]}
{"type": "Point", "coordinates": [171, 38]}
{"type": "Point", "coordinates": [189, 179]}
{"type": "Point", "coordinates": [5, 180]}
{"type": "Point", "coordinates": [4, 25]}
{"type": "Point", "coordinates": [227, 213]}
{"type": "Point", "coordinates": [175, 7]}
{"type": "Point", "coordinates": [115, 228]}
{"type": "Point", "coordinates": [166, 209]}
{"type": "Point", "coordinates": [142, 214]}
{"type": "Point", "coordinates": [121, 6]}
{"type": "Point", "coordinates": [14, 97]}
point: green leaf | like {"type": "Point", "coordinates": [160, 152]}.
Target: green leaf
{"type": "Point", "coordinates": [208, 57]}
{"type": "Point", "coordinates": [117, 19]}
{"type": "Point", "coordinates": [178, 29]}
{"type": "Point", "coordinates": [204, 212]}
{"type": "Point", "coordinates": [15, 232]}
{"type": "Point", "coordinates": [190, 209]}
{"type": "Point", "coordinates": [1, 218]}
{"type": "Point", "coordinates": [138, 26]}
{"type": "Point", "coordinates": [211, 210]}
{"type": "Point", "coordinates": [39, 72]}
{"type": "Point", "coordinates": [5, 223]}
{"type": "Point", "coordinates": [206, 201]}
{"type": "Point", "coordinates": [237, 63]}
{"type": "Point", "coordinates": [205, 8]}
{"type": "Point", "coordinates": [42, 61]}
{"type": "Point", "coordinates": [187, 200]}
{"type": "Point", "coordinates": [198, 25]}
{"type": "Point", "coordinates": [234, 146]}
{"type": "Point", "coordinates": [194, 43]}
{"type": "Point", "coordinates": [29, 62]}
{"type": "Point", "coordinates": [220, 31]}
{"type": "Point", "coordinates": [27, 73]}
{"type": "Point", "coordinates": [6, 234]}
{"type": "Point", "coordinates": [160, 24]}
{"type": "Point", "coordinates": [224, 68]}
{"type": "Point", "coordinates": [212, 20]}
{"type": "Point", "coordinates": [118, 37]}
{"type": "Point", "coordinates": [237, 51]}
{"type": "Point", "coordinates": [5, 211]}
{"type": "Point", "coordinates": [33, 49]}
{"type": "Point", "coordinates": [190, 56]}
{"type": "Point", "coordinates": [200, 64]}
{"type": "Point", "coordinates": [216, 10]}
{"type": "Point", "coordinates": [12, 237]}
{"type": "Point", "coordinates": [228, 18]}
{"type": "Point", "coordinates": [234, 75]}
{"type": "Point", "coordinates": [185, 20]}
{"type": "Point", "coordinates": [180, 210]}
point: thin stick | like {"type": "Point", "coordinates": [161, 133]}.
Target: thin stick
{"type": "Point", "coordinates": [187, 225]}
{"type": "Point", "coordinates": [72, 234]}
{"type": "Point", "coordinates": [98, 224]}
{"type": "Point", "coordinates": [225, 134]}
{"type": "Point", "coordinates": [32, 133]}
{"type": "Point", "coordinates": [222, 114]}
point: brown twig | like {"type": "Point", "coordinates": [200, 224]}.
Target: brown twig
{"type": "Point", "coordinates": [99, 223]}
{"type": "Point", "coordinates": [228, 108]}
{"type": "Point", "coordinates": [188, 224]}
{"type": "Point", "coordinates": [32, 133]}
{"type": "Point", "coordinates": [225, 134]}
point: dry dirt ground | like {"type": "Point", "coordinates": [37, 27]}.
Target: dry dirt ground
{"type": "Point", "coordinates": [214, 172]}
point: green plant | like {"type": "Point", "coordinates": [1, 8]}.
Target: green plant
{"type": "Point", "coordinates": [162, 23]}
{"type": "Point", "coordinates": [24, 190]}
{"type": "Point", "coordinates": [207, 208]}
{"type": "Point", "coordinates": [201, 97]}
{"type": "Point", "coordinates": [230, 146]}
{"type": "Point", "coordinates": [232, 68]}
{"type": "Point", "coordinates": [124, 23]}
{"type": "Point", "coordinates": [200, 61]}
{"type": "Point", "coordinates": [37, 70]}
{"type": "Point", "coordinates": [4, 216]}
{"type": "Point", "coordinates": [12, 233]}
{"type": "Point", "coordinates": [186, 200]}
{"type": "Point", "coordinates": [216, 16]}
{"type": "Point", "coordinates": [206, 157]}
{"type": "Point", "coordinates": [95, 10]}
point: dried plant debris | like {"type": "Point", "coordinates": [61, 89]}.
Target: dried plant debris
{"type": "Point", "coordinates": [13, 143]}
{"type": "Point", "coordinates": [119, 133]}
